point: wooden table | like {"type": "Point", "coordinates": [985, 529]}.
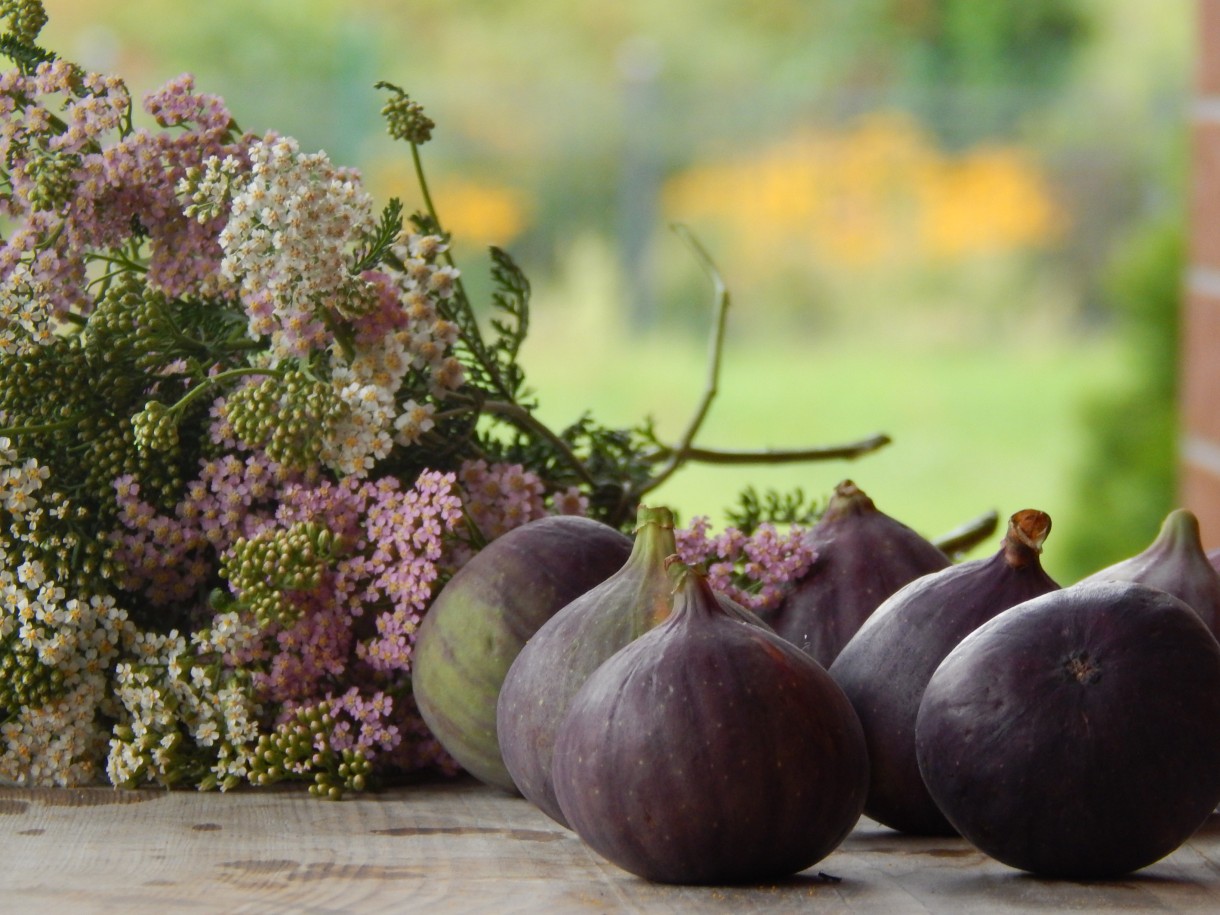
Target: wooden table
{"type": "Point", "coordinates": [461, 847]}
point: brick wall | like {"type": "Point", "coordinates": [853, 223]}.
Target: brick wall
{"type": "Point", "coordinates": [1199, 445]}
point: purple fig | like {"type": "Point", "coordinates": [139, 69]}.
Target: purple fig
{"type": "Point", "coordinates": [1175, 562]}
{"type": "Point", "coordinates": [862, 557]}
{"type": "Point", "coordinates": [886, 666]}
{"type": "Point", "coordinates": [555, 663]}
{"type": "Point", "coordinates": [482, 617]}
{"type": "Point", "coordinates": [1077, 734]}
{"type": "Point", "coordinates": [710, 750]}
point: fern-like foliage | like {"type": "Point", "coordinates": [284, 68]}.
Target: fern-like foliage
{"type": "Point", "coordinates": [377, 246]}
{"type": "Point", "coordinates": [754, 509]}
{"type": "Point", "coordinates": [26, 56]}
{"type": "Point", "coordinates": [511, 300]}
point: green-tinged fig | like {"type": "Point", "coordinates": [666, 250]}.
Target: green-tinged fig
{"type": "Point", "coordinates": [862, 556]}
{"type": "Point", "coordinates": [1078, 734]}
{"type": "Point", "coordinates": [555, 663]}
{"type": "Point", "coordinates": [1175, 562]}
{"type": "Point", "coordinates": [886, 666]}
{"type": "Point", "coordinates": [710, 750]}
{"type": "Point", "coordinates": [482, 617]}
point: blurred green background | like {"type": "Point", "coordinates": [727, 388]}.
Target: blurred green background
{"type": "Point", "coordinates": [959, 223]}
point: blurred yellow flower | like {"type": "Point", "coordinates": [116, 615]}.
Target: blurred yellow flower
{"type": "Point", "coordinates": [478, 213]}
{"type": "Point", "coordinates": [879, 191]}
{"type": "Point", "coordinates": [481, 213]}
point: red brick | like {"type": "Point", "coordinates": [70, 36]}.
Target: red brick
{"type": "Point", "coordinates": [1207, 43]}
{"type": "Point", "coordinates": [1205, 195]}
{"type": "Point", "coordinates": [1199, 396]}
{"type": "Point", "coordinates": [1199, 491]}
{"type": "Point", "coordinates": [1199, 384]}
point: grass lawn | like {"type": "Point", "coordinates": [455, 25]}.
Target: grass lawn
{"type": "Point", "coordinates": [976, 426]}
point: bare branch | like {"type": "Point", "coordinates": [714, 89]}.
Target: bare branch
{"type": "Point", "coordinates": [680, 453]}
{"type": "Point", "coordinates": [846, 451]}
{"type": "Point", "coordinates": [524, 419]}
{"type": "Point", "coordinates": [965, 537]}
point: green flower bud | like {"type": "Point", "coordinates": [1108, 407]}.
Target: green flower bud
{"type": "Point", "coordinates": [405, 119]}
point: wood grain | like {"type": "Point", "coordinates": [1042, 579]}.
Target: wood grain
{"type": "Point", "coordinates": [462, 847]}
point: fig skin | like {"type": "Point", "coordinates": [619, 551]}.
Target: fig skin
{"type": "Point", "coordinates": [565, 650]}
{"type": "Point", "coordinates": [486, 612]}
{"type": "Point", "coordinates": [862, 556]}
{"type": "Point", "coordinates": [887, 664]}
{"type": "Point", "coordinates": [1077, 735]}
{"type": "Point", "coordinates": [710, 750]}
{"type": "Point", "coordinates": [1175, 562]}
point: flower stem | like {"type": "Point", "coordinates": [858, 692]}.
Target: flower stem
{"type": "Point", "coordinates": [467, 324]}
{"type": "Point", "coordinates": [123, 262]}
{"type": "Point", "coordinates": [422, 179]}
{"type": "Point", "coordinates": [39, 428]}
{"type": "Point", "coordinates": [526, 420]}
{"type": "Point", "coordinates": [214, 380]}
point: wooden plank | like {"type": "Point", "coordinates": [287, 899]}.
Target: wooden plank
{"type": "Point", "coordinates": [462, 847]}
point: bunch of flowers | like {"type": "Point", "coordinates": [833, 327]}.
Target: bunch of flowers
{"type": "Point", "coordinates": [249, 424]}
{"type": "Point", "coordinates": [753, 568]}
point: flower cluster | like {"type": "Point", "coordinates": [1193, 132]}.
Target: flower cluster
{"type": "Point", "coordinates": [291, 217]}
{"type": "Point", "coordinates": [325, 591]}
{"type": "Point", "coordinates": [55, 648]}
{"type": "Point", "coordinates": [78, 181]}
{"type": "Point", "coordinates": [248, 427]}
{"type": "Point", "coordinates": [336, 365]}
{"type": "Point", "coordinates": [501, 497]}
{"type": "Point", "coordinates": [23, 324]}
{"type": "Point", "coordinates": [752, 569]}
{"type": "Point", "coordinates": [397, 356]}
{"type": "Point", "coordinates": [26, 18]}
{"type": "Point", "coordinates": [180, 719]}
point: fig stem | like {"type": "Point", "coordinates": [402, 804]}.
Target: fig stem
{"type": "Point", "coordinates": [678, 571]}
{"type": "Point", "coordinates": [1027, 531]}
{"type": "Point", "coordinates": [658, 516]}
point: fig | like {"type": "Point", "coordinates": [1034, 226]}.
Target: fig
{"type": "Point", "coordinates": [710, 750]}
{"type": "Point", "coordinates": [484, 614]}
{"type": "Point", "coordinates": [862, 557]}
{"type": "Point", "coordinates": [887, 664]}
{"type": "Point", "coordinates": [1175, 562]}
{"type": "Point", "coordinates": [1077, 734]}
{"type": "Point", "coordinates": [555, 663]}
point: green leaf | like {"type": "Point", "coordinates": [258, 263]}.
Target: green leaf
{"type": "Point", "coordinates": [773, 507]}
{"type": "Point", "coordinates": [511, 299]}
{"type": "Point", "coordinates": [389, 227]}
{"type": "Point", "coordinates": [26, 56]}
